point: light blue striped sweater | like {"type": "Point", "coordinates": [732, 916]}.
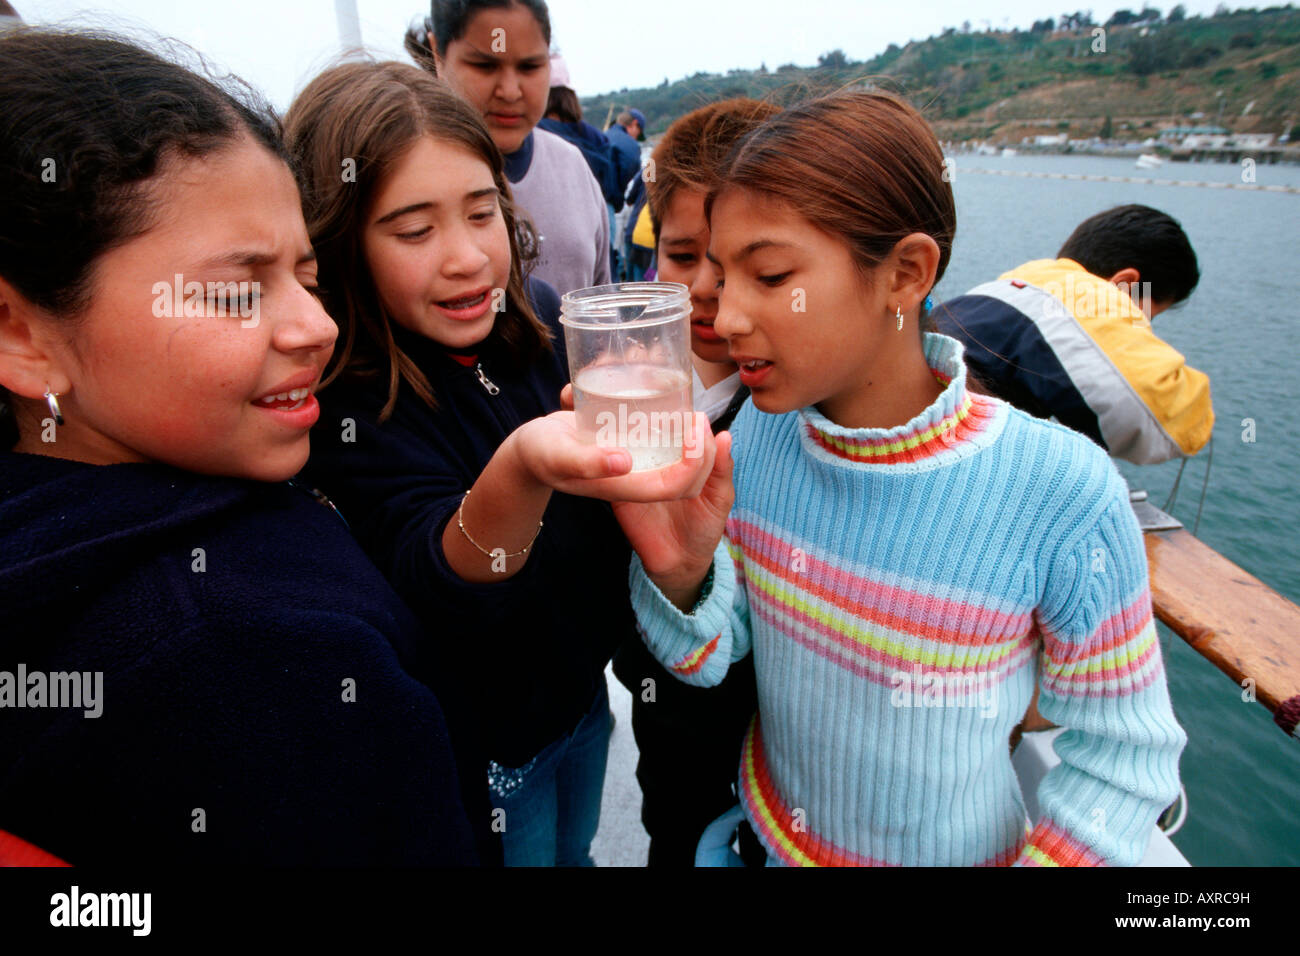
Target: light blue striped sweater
{"type": "Point", "coordinates": [903, 591]}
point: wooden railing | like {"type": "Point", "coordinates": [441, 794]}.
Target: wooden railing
{"type": "Point", "coordinates": [1230, 617]}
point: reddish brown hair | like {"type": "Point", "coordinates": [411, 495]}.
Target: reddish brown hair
{"type": "Point", "coordinates": [864, 167]}
{"type": "Point", "coordinates": [691, 153]}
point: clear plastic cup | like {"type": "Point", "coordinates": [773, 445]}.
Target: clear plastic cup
{"type": "Point", "coordinates": [629, 348]}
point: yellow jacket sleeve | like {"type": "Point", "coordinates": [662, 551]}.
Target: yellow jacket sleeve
{"type": "Point", "coordinates": [1151, 405]}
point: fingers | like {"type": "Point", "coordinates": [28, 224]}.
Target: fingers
{"type": "Point", "coordinates": [704, 448]}
{"type": "Point", "coordinates": [591, 462]}
{"type": "Point", "coordinates": [606, 472]}
{"type": "Point", "coordinates": [685, 478]}
{"type": "Point", "coordinates": [682, 479]}
{"type": "Point", "coordinates": [720, 477]}
{"type": "Point", "coordinates": [555, 455]}
{"type": "Point", "coordinates": [566, 398]}
{"type": "Point", "coordinates": [722, 464]}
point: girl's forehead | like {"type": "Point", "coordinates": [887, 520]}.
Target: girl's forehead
{"type": "Point", "coordinates": [738, 202]}
{"type": "Point", "coordinates": [684, 215]}
{"type": "Point", "coordinates": [434, 172]}
{"type": "Point", "coordinates": [438, 160]}
{"type": "Point", "coordinates": [745, 222]}
{"type": "Point", "coordinates": [505, 33]}
{"type": "Point", "coordinates": [240, 194]}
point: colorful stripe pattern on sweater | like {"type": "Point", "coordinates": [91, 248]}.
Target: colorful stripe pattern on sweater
{"type": "Point", "coordinates": [780, 827]}
{"type": "Point", "coordinates": [1123, 657]}
{"type": "Point", "coordinates": [915, 441]}
{"type": "Point", "coordinates": [786, 831]}
{"type": "Point", "coordinates": [897, 606]}
{"type": "Point", "coordinates": [693, 662]}
{"type": "Point", "coordinates": [1051, 845]}
{"type": "Point", "coordinates": [892, 644]}
{"type": "Point", "coordinates": [876, 629]}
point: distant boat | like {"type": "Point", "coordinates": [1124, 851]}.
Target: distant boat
{"type": "Point", "coordinates": [1149, 161]}
{"type": "Point", "coordinates": [1008, 151]}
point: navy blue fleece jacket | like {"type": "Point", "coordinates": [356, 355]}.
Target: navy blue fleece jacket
{"type": "Point", "coordinates": [527, 652]}
{"type": "Point", "coordinates": [231, 621]}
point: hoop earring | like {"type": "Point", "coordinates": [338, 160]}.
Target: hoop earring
{"type": "Point", "coordinates": [899, 312]}
{"type": "Point", "coordinates": [52, 400]}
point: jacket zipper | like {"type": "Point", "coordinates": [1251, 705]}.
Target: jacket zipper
{"type": "Point", "coordinates": [486, 382]}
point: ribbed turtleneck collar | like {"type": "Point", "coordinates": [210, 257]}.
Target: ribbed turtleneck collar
{"type": "Point", "coordinates": [955, 424]}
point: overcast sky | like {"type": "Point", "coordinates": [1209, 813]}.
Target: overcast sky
{"type": "Point", "coordinates": [277, 45]}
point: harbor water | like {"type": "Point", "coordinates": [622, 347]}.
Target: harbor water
{"type": "Point", "coordinates": [1242, 774]}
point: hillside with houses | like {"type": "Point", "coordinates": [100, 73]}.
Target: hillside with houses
{"type": "Point", "coordinates": [1145, 79]}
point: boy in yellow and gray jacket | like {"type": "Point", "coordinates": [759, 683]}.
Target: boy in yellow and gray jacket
{"type": "Point", "coordinates": [1070, 338]}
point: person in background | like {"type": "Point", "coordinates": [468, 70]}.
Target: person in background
{"type": "Point", "coordinates": [1071, 338]}
{"type": "Point", "coordinates": [627, 131]}
{"type": "Point", "coordinates": [496, 55]}
{"type": "Point", "coordinates": [564, 119]}
{"type": "Point", "coordinates": [690, 737]}
{"type": "Point", "coordinates": [161, 342]}
{"type": "Point", "coordinates": [638, 235]}
{"type": "Point", "coordinates": [625, 135]}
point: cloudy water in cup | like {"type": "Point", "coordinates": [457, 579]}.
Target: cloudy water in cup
{"type": "Point", "coordinates": [643, 408]}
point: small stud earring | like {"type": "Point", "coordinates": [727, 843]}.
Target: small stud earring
{"type": "Point", "coordinates": [52, 400]}
{"type": "Point", "coordinates": [899, 313]}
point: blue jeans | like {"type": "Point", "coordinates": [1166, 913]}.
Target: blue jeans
{"type": "Point", "coordinates": [551, 805]}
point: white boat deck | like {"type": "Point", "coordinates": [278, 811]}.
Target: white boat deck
{"type": "Point", "coordinates": [621, 840]}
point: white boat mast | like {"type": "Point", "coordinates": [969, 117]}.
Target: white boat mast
{"type": "Point", "coordinates": [345, 12]}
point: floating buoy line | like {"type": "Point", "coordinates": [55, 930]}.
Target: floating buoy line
{"type": "Point", "coordinates": [1093, 178]}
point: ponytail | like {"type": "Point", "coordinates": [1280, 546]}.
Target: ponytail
{"type": "Point", "coordinates": [416, 42]}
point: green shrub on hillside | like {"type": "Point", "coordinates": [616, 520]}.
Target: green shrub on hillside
{"type": "Point", "coordinates": [958, 73]}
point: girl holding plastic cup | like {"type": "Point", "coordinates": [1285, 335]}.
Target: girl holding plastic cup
{"type": "Point", "coordinates": [442, 440]}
